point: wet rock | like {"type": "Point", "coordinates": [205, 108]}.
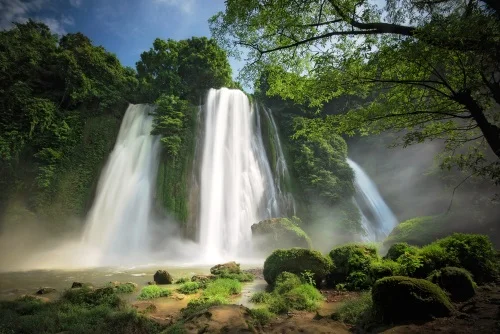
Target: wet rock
{"type": "Point", "coordinates": [203, 279]}
{"type": "Point", "coordinates": [226, 268]}
{"type": "Point", "coordinates": [76, 285]}
{"type": "Point", "coordinates": [46, 290]}
{"type": "Point", "coordinates": [163, 277]}
{"type": "Point", "coordinates": [275, 233]}
{"type": "Point", "coordinates": [151, 283]}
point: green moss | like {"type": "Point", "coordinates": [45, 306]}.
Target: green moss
{"type": "Point", "coordinates": [296, 261]}
{"type": "Point", "coordinates": [419, 231]}
{"type": "Point", "coordinates": [400, 298]}
{"type": "Point", "coordinates": [456, 281]}
{"type": "Point", "coordinates": [351, 264]}
{"type": "Point", "coordinates": [154, 291]}
{"type": "Point", "coordinates": [383, 268]}
{"type": "Point", "coordinates": [398, 249]}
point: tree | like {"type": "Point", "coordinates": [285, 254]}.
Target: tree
{"type": "Point", "coordinates": [426, 68]}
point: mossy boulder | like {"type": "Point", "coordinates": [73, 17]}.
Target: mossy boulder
{"type": "Point", "coordinates": [398, 249]}
{"type": "Point", "coordinates": [457, 282]}
{"type": "Point", "coordinates": [401, 298]}
{"type": "Point", "coordinates": [275, 233]}
{"type": "Point", "coordinates": [419, 231]}
{"type": "Point", "coordinates": [348, 260]}
{"type": "Point", "coordinates": [203, 280]}
{"type": "Point", "coordinates": [162, 277]}
{"type": "Point", "coordinates": [226, 268]}
{"type": "Point", "coordinates": [296, 261]}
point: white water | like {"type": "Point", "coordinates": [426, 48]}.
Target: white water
{"type": "Point", "coordinates": [117, 223]}
{"type": "Point", "coordinates": [237, 188]}
{"type": "Point", "coordinates": [377, 218]}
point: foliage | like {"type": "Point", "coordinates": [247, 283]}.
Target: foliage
{"type": "Point", "coordinates": [355, 310]}
{"type": "Point", "coordinates": [296, 261]}
{"type": "Point", "coordinates": [226, 268]}
{"type": "Point", "coordinates": [183, 280]}
{"type": "Point", "coordinates": [400, 298]}
{"type": "Point", "coordinates": [434, 257]}
{"type": "Point", "coordinates": [286, 282]}
{"type": "Point", "coordinates": [153, 291]}
{"type": "Point", "coordinates": [188, 288]}
{"type": "Point", "coordinates": [383, 268]}
{"type": "Point", "coordinates": [426, 70]}
{"type": "Point", "coordinates": [260, 297]}
{"type": "Point", "coordinates": [351, 264]}
{"type": "Point", "coordinates": [123, 287]}
{"type": "Point", "coordinates": [418, 231]}
{"type": "Point", "coordinates": [409, 263]}
{"type": "Point", "coordinates": [77, 312]}
{"type": "Point", "coordinates": [456, 281]}
{"type": "Point", "coordinates": [398, 249]}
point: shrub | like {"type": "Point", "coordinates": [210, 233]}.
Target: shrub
{"type": "Point", "coordinates": [398, 249]}
{"type": "Point", "coordinates": [434, 257]}
{"type": "Point", "coordinates": [123, 287]}
{"type": "Point", "coordinates": [400, 298]}
{"type": "Point", "coordinates": [409, 263]}
{"type": "Point", "coordinates": [474, 252]}
{"type": "Point", "coordinates": [296, 261]}
{"type": "Point", "coordinates": [222, 287]}
{"type": "Point", "coordinates": [262, 315]}
{"type": "Point", "coordinates": [90, 297]}
{"type": "Point", "coordinates": [153, 291]}
{"type": "Point", "coordinates": [189, 288]}
{"type": "Point", "coordinates": [260, 297]}
{"type": "Point", "coordinates": [304, 297]}
{"type": "Point", "coordinates": [358, 280]}
{"type": "Point", "coordinates": [200, 304]}
{"type": "Point", "coordinates": [285, 282]}
{"type": "Point", "coordinates": [183, 280]}
{"type": "Point", "coordinates": [354, 310]}
{"type": "Point", "coordinates": [383, 268]}
{"type": "Point", "coordinates": [456, 281]}
{"type": "Point", "coordinates": [349, 259]}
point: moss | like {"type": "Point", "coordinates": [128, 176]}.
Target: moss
{"type": "Point", "coordinates": [226, 268]}
{"type": "Point", "coordinates": [154, 291]}
{"type": "Point", "coordinates": [350, 259]}
{"type": "Point", "coordinates": [456, 281]}
{"type": "Point", "coordinates": [400, 298]}
{"type": "Point", "coordinates": [296, 261]}
{"type": "Point", "coordinates": [277, 233]}
{"type": "Point", "coordinates": [383, 268]}
{"type": "Point", "coordinates": [398, 249]}
{"type": "Point", "coordinates": [419, 231]}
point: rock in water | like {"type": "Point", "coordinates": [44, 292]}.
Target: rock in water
{"type": "Point", "coordinates": [226, 268]}
{"type": "Point", "coordinates": [44, 291]}
{"type": "Point", "coordinates": [76, 285]}
{"type": "Point", "coordinates": [163, 277]}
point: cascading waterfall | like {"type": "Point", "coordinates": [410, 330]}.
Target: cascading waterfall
{"type": "Point", "coordinates": [377, 218]}
{"type": "Point", "coordinates": [237, 188]}
{"type": "Point", "coordinates": [117, 224]}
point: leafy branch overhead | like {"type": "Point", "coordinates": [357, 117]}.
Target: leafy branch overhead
{"type": "Point", "coordinates": [425, 69]}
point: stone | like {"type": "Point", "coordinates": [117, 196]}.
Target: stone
{"type": "Point", "coordinates": [163, 277]}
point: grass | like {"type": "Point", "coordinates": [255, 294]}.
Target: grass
{"type": "Point", "coordinates": [123, 287]}
{"type": "Point", "coordinates": [189, 288]}
{"type": "Point", "coordinates": [78, 311]}
{"type": "Point", "coordinates": [356, 310]}
{"type": "Point", "coordinates": [262, 315]}
{"type": "Point", "coordinates": [153, 291]}
{"type": "Point", "coordinates": [260, 297]}
{"type": "Point", "coordinates": [217, 292]}
{"type": "Point", "coordinates": [183, 280]}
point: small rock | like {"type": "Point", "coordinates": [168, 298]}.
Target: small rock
{"type": "Point", "coordinates": [203, 278]}
{"type": "Point", "coordinates": [76, 285]}
{"type": "Point", "coordinates": [151, 283]}
{"type": "Point", "coordinates": [179, 296]}
{"type": "Point", "coordinates": [163, 277]}
{"type": "Point", "coordinates": [229, 268]}
{"type": "Point", "coordinates": [44, 291]}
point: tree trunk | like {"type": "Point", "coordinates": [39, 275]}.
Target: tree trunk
{"type": "Point", "coordinates": [490, 131]}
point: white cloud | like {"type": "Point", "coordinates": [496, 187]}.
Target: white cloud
{"type": "Point", "coordinates": [56, 26]}
{"type": "Point", "coordinates": [76, 3]}
{"type": "Point", "coordinates": [67, 20]}
{"type": "Point", "coordinates": [17, 11]}
{"type": "Point", "coordinates": [184, 5]}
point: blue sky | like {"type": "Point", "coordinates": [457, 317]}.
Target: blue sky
{"type": "Point", "coordinates": [124, 27]}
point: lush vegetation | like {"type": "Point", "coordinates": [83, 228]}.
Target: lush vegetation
{"type": "Point", "coordinates": [274, 233]}
{"type": "Point", "coordinates": [456, 281]}
{"type": "Point", "coordinates": [154, 291]}
{"type": "Point", "coordinates": [78, 311]}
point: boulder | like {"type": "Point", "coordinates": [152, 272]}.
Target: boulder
{"type": "Point", "coordinates": [226, 268]}
{"type": "Point", "coordinates": [456, 281]}
{"type": "Point", "coordinates": [163, 277]}
{"type": "Point", "coordinates": [274, 233]}
{"type": "Point", "coordinates": [76, 285]}
{"type": "Point", "coordinates": [203, 279]}
{"type": "Point", "coordinates": [296, 261]}
{"type": "Point", "coordinates": [400, 298]}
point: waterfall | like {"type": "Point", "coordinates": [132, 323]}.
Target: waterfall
{"type": "Point", "coordinates": [377, 218]}
{"type": "Point", "coordinates": [237, 188]}
{"type": "Point", "coordinates": [117, 223]}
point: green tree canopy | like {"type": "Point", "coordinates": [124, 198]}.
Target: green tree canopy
{"type": "Point", "coordinates": [427, 69]}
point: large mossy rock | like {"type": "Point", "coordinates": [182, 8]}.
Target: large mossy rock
{"type": "Point", "coordinates": [456, 281]}
{"type": "Point", "coordinates": [419, 231]}
{"type": "Point", "coordinates": [278, 233]}
{"type": "Point", "coordinates": [352, 264]}
{"type": "Point", "coordinates": [401, 298]}
{"type": "Point", "coordinates": [163, 277]}
{"type": "Point", "coordinates": [296, 261]}
{"type": "Point", "coordinates": [226, 268]}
